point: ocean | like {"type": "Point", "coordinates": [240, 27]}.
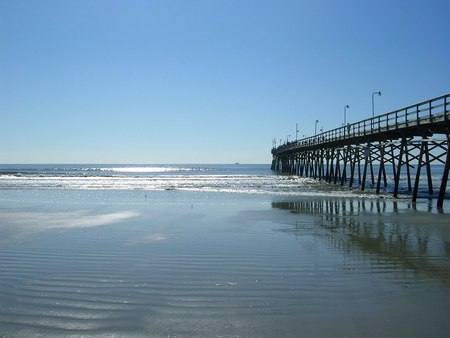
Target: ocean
{"type": "Point", "coordinates": [215, 251]}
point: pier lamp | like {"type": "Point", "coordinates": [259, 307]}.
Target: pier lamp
{"type": "Point", "coordinates": [315, 127]}
{"type": "Point", "coordinates": [345, 113]}
{"type": "Point", "coordinates": [373, 107]}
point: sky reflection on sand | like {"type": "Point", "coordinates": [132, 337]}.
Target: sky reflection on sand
{"type": "Point", "coordinates": [17, 225]}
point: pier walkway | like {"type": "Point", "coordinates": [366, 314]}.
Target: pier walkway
{"type": "Point", "coordinates": [408, 140]}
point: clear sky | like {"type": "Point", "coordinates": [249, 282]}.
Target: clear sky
{"type": "Point", "coordinates": [205, 81]}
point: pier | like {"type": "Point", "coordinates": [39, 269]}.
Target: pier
{"type": "Point", "coordinates": [405, 143]}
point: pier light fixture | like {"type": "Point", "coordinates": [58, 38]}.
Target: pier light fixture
{"type": "Point", "coordinates": [296, 132]}
{"type": "Point", "coordinates": [373, 106]}
{"type": "Point", "coordinates": [287, 138]}
{"type": "Point", "coordinates": [345, 113]}
{"type": "Point", "coordinates": [315, 127]}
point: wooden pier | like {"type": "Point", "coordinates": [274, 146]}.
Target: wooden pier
{"type": "Point", "coordinates": [409, 141]}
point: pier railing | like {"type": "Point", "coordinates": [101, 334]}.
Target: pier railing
{"type": "Point", "coordinates": [411, 118]}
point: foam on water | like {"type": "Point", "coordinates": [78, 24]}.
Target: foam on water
{"type": "Point", "coordinates": [248, 179]}
{"type": "Point", "coordinates": [155, 169]}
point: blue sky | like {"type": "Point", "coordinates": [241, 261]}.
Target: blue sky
{"type": "Point", "coordinates": [205, 81]}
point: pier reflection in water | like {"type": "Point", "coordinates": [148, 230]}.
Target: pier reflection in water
{"type": "Point", "coordinates": [396, 237]}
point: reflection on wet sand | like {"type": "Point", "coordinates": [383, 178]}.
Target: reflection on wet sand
{"type": "Point", "coordinates": [17, 225]}
{"type": "Point", "coordinates": [410, 239]}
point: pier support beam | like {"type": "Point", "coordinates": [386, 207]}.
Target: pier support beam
{"type": "Point", "coordinates": [399, 167]}
{"type": "Point", "coordinates": [444, 180]}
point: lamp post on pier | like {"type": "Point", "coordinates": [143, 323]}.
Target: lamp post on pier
{"type": "Point", "coordinates": [296, 132]}
{"type": "Point", "coordinates": [373, 106]}
{"type": "Point", "coordinates": [315, 127]}
{"type": "Point", "coordinates": [345, 113]}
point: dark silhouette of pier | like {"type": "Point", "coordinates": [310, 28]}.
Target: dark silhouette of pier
{"type": "Point", "coordinates": [409, 140]}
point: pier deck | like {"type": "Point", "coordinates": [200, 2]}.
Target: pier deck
{"type": "Point", "coordinates": [412, 137]}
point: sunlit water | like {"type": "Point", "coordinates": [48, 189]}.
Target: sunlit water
{"type": "Point", "coordinates": [214, 251]}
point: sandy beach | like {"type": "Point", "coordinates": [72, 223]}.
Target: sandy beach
{"type": "Point", "coordinates": [109, 264]}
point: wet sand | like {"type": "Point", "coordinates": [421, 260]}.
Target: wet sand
{"type": "Point", "coordinates": [108, 264]}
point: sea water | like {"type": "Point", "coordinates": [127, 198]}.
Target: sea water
{"type": "Point", "coordinates": [214, 250]}
{"type": "Point", "coordinates": [244, 179]}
